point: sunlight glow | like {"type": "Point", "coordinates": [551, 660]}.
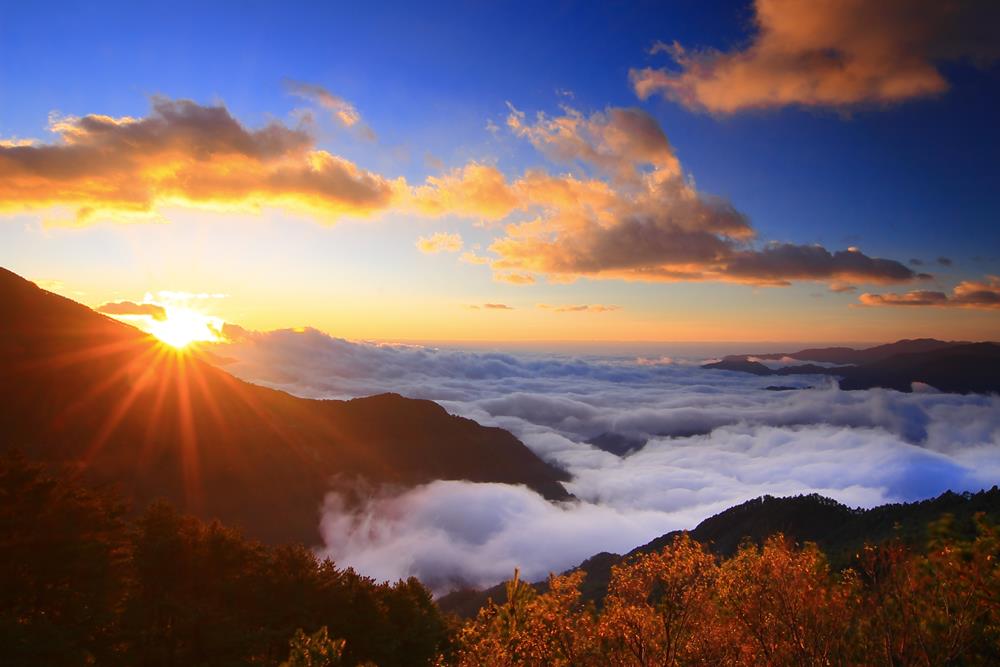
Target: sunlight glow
{"type": "Point", "coordinates": [183, 326]}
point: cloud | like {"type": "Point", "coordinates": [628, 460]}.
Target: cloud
{"type": "Point", "coordinates": [341, 109]}
{"type": "Point", "coordinates": [944, 261]}
{"type": "Point", "coordinates": [513, 278]}
{"type": "Point", "coordinates": [473, 258]}
{"type": "Point", "coordinates": [439, 242]}
{"type": "Point", "coordinates": [712, 439]}
{"type": "Point", "coordinates": [968, 294]}
{"type": "Point", "coordinates": [580, 308]}
{"type": "Point", "coordinates": [153, 310]}
{"type": "Point", "coordinates": [184, 153]}
{"type": "Point", "coordinates": [475, 190]}
{"type": "Point", "coordinates": [830, 54]}
{"type": "Point", "coordinates": [778, 263]}
{"type": "Point", "coordinates": [628, 212]}
{"type": "Point", "coordinates": [492, 306]}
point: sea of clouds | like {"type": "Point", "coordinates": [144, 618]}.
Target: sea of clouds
{"type": "Point", "coordinates": [713, 439]}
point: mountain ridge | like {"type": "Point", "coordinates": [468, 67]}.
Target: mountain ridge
{"type": "Point", "coordinates": [82, 390]}
{"type": "Point", "coordinates": [840, 531]}
{"type": "Point", "coordinates": [954, 367]}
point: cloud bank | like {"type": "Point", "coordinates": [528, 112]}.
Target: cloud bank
{"type": "Point", "coordinates": [711, 439]}
{"type": "Point", "coordinates": [628, 212]}
{"type": "Point", "coordinates": [967, 294]}
{"type": "Point", "coordinates": [183, 153]}
{"type": "Point", "coordinates": [830, 54]}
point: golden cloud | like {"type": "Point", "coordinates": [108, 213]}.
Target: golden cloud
{"type": "Point", "coordinates": [831, 54]}
{"type": "Point", "coordinates": [967, 294]}
{"type": "Point", "coordinates": [439, 242]}
{"type": "Point", "coordinates": [644, 221]}
{"type": "Point", "coordinates": [189, 154]}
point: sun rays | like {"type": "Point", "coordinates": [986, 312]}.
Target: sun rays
{"type": "Point", "coordinates": [182, 326]}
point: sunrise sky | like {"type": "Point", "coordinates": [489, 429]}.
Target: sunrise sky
{"type": "Point", "coordinates": [745, 171]}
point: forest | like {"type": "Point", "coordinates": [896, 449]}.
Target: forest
{"type": "Point", "coordinates": [86, 581]}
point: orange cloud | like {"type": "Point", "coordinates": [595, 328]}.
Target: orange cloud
{"type": "Point", "coordinates": [580, 308]}
{"type": "Point", "coordinates": [967, 294]}
{"type": "Point", "coordinates": [831, 54]}
{"type": "Point", "coordinates": [439, 242]}
{"type": "Point", "coordinates": [475, 190]}
{"type": "Point", "coordinates": [153, 310]}
{"type": "Point", "coordinates": [184, 153]}
{"type": "Point", "coordinates": [342, 110]}
{"type": "Point", "coordinates": [645, 221]}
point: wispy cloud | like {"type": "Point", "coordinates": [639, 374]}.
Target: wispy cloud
{"type": "Point", "coordinates": [440, 242]}
{"type": "Point", "coordinates": [579, 308]}
{"type": "Point", "coordinates": [967, 294]}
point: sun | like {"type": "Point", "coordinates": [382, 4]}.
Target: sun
{"type": "Point", "coordinates": [182, 326]}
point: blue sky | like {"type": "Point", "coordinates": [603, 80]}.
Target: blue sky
{"type": "Point", "coordinates": [909, 179]}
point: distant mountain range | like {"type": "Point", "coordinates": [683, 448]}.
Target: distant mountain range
{"type": "Point", "coordinates": [82, 390]}
{"type": "Point", "coordinates": [838, 530]}
{"type": "Point", "coordinates": [955, 367]}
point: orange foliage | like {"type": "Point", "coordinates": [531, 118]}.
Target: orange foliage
{"type": "Point", "coordinates": [777, 604]}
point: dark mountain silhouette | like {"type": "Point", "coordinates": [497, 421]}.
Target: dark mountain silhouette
{"type": "Point", "coordinates": [848, 355]}
{"type": "Point", "coordinates": [951, 367]}
{"type": "Point", "coordinates": [80, 389]}
{"type": "Point", "coordinates": [838, 530]}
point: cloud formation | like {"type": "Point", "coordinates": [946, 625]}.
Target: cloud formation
{"type": "Point", "coordinates": [712, 439]}
{"type": "Point", "coordinates": [629, 212]}
{"type": "Point", "coordinates": [153, 310]}
{"type": "Point", "coordinates": [580, 308]}
{"type": "Point", "coordinates": [491, 306]}
{"type": "Point", "coordinates": [625, 211]}
{"type": "Point", "coordinates": [968, 294]}
{"type": "Point", "coordinates": [830, 54]}
{"type": "Point", "coordinates": [342, 110]}
{"type": "Point", "coordinates": [439, 242]}
{"type": "Point", "coordinates": [183, 153]}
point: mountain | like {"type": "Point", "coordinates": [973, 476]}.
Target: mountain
{"type": "Point", "coordinates": [838, 530]}
{"type": "Point", "coordinates": [950, 367]}
{"type": "Point", "coordinates": [848, 355]}
{"type": "Point", "coordinates": [79, 389]}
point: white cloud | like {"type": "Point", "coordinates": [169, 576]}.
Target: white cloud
{"type": "Point", "coordinates": [714, 439]}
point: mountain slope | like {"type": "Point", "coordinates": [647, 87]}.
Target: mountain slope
{"type": "Point", "coordinates": [838, 530]}
{"type": "Point", "coordinates": [951, 367]}
{"type": "Point", "coordinates": [80, 389]}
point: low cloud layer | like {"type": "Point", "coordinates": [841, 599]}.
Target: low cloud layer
{"type": "Point", "coordinates": [967, 294]}
{"type": "Point", "coordinates": [830, 54]}
{"type": "Point", "coordinates": [712, 439]}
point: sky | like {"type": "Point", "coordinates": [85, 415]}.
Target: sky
{"type": "Point", "coordinates": [688, 171]}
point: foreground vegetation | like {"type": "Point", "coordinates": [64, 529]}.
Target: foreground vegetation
{"type": "Point", "coordinates": [772, 605]}
{"type": "Point", "coordinates": [82, 583]}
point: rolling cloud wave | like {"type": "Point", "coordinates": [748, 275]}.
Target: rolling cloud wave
{"type": "Point", "coordinates": [712, 439]}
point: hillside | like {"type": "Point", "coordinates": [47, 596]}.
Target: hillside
{"type": "Point", "coordinates": [838, 530]}
{"type": "Point", "coordinates": [80, 389]}
{"type": "Point", "coordinates": [950, 367]}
